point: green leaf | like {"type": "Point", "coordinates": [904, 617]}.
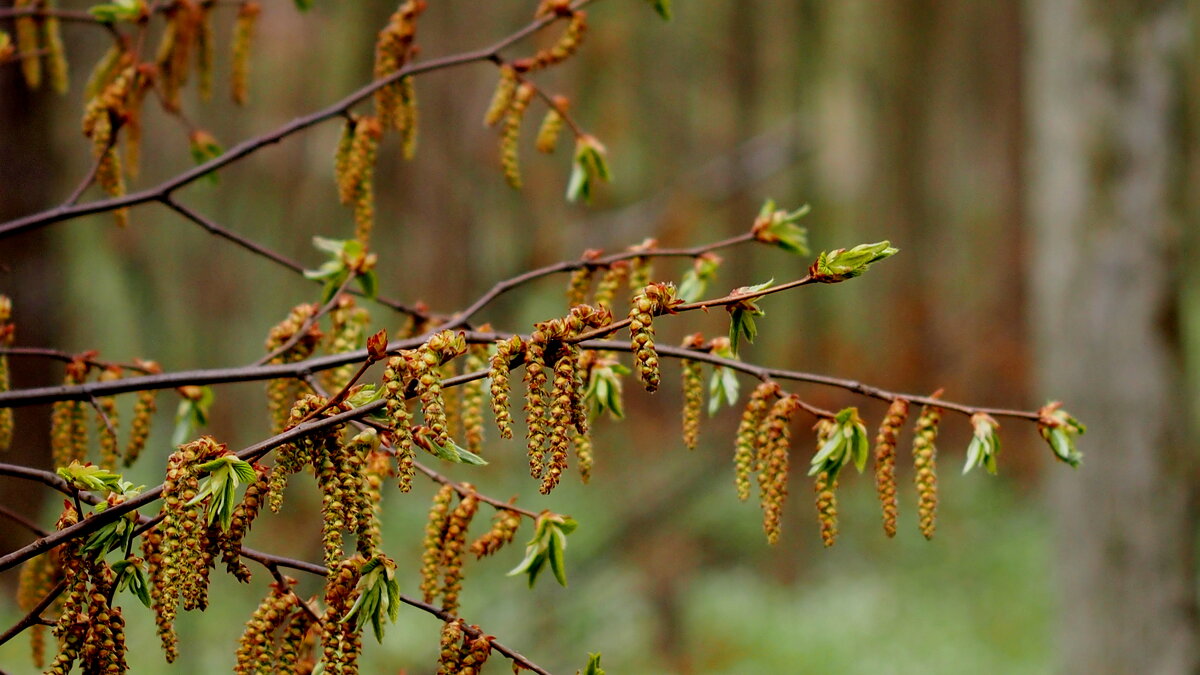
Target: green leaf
{"type": "Point", "coordinates": [842, 264]}
{"type": "Point", "coordinates": [722, 389]}
{"type": "Point", "coordinates": [204, 147]}
{"type": "Point", "coordinates": [589, 167]}
{"type": "Point", "coordinates": [131, 577]}
{"type": "Point", "coordinates": [303, 5]}
{"type": "Point", "coordinates": [369, 283]}
{"type": "Point", "coordinates": [593, 666]}
{"type": "Point", "coordinates": [663, 7]}
{"type": "Point", "coordinates": [121, 10]}
{"type": "Point", "coordinates": [558, 542]}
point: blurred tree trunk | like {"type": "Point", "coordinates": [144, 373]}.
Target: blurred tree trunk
{"type": "Point", "coordinates": [1106, 91]}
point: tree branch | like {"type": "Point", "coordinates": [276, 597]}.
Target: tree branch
{"type": "Point", "coordinates": [252, 145]}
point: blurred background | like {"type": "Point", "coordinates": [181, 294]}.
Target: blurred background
{"type": "Point", "coordinates": [1037, 164]}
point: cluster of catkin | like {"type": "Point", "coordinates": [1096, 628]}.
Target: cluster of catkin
{"type": "Point", "coordinates": [444, 546]}
{"type": "Point", "coordinates": [396, 102]}
{"type": "Point", "coordinates": [89, 629]}
{"type": "Point", "coordinates": [348, 332]}
{"type": "Point", "coordinates": [181, 550]}
{"type": "Point", "coordinates": [420, 369]}
{"type": "Point", "coordinates": [276, 637]}
{"type": "Point", "coordinates": [556, 418]}
{"type": "Point", "coordinates": [341, 641]}
{"type": "Point", "coordinates": [461, 654]}
{"type": "Point", "coordinates": [39, 35]}
{"type": "Point", "coordinates": [69, 435]}
{"type": "Point", "coordinates": [354, 170]}
{"type": "Point", "coordinates": [514, 92]}
{"type": "Point", "coordinates": [39, 575]}
{"type": "Point", "coordinates": [342, 472]}
{"type": "Point", "coordinates": [281, 393]}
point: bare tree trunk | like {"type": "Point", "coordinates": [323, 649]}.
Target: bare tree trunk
{"type": "Point", "coordinates": [1105, 91]}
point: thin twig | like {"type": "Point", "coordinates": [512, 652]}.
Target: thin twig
{"type": "Point", "coordinates": [22, 520]}
{"type": "Point", "coordinates": [34, 617]}
{"type": "Point", "coordinates": [251, 145]}
{"type": "Point", "coordinates": [68, 357]}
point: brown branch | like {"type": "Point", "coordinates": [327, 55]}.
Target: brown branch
{"type": "Point", "coordinates": [278, 258]}
{"type": "Point", "coordinates": [60, 355]}
{"type": "Point", "coordinates": [34, 617]}
{"type": "Point", "coordinates": [252, 145]}
{"type": "Point", "coordinates": [22, 521]}
{"type": "Point", "coordinates": [501, 287]}
{"type": "Point", "coordinates": [268, 560]}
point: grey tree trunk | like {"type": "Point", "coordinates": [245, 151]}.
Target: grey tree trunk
{"type": "Point", "coordinates": [1105, 85]}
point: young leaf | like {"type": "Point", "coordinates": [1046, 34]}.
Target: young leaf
{"type": "Point", "coordinates": [590, 166]}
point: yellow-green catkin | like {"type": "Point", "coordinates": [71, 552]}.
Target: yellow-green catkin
{"type": "Point", "coordinates": [102, 117]}
{"type": "Point", "coordinates": [585, 456]}
{"type": "Point", "coordinates": [38, 577]}
{"type": "Point", "coordinates": [7, 331]}
{"type": "Point", "coordinates": [68, 422]}
{"type": "Point", "coordinates": [579, 285]}
{"type": "Point", "coordinates": [239, 525]}
{"type": "Point", "coordinates": [498, 378]}
{"type": "Point", "coordinates": [773, 476]}
{"type": "Point", "coordinates": [104, 70]}
{"type": "Point", "coordinates": [551, 127]}
{"type": "Point", "coordinates": [609, 284]}
{"type": "Point", "coordinates": [510, 158]}
{"type": "Point", "coordinates": [341, 641]}
{"type": "Point", "coordinates": [825, 488]}
{"type": "Point", "coordinates": [143, 413]}
{"type": "Point", "coordinates": [505, 524]}
{"type": "Point", "coordinates": [349, 332]}
{"type": "Point", "coordinates": [566, 46]}
{"type": "Point", "coordinates": [885, 462]}
{"type": "Point", "coordinates": [452, 398]}
{"type": "Point", "coordinates": [182, 567]}
{"type": "Point", "coordinates": [243, 36]}
{"type": "Point", "coordinates": [693, 401]}
{"type": "Point", "coordinates": [28, 45]}
{"type": "Point", "coordinates": [409, 113]}
{"type": "Point", "coordinates": [56, 55]}
{"type": "Point", "coordinates": [746, 446]}
{"type": "Point", "coordinates": [562, 415]}
{"type": "Point", "coordinates": [536, 408]}
{"type": "Point", "coordinates": [282, 392]}
{"type": "Point", "coordinates": [453, 547]}
{"type": "Point", "coordinates": [506, 86]}
{"type": "Point", "coordinates": [651, 300]}
{"type": "Point", "coordinates": [925, 461]}
{"type": "Point", "coordinates": [292, 644]}
{"type": "Point", "coordinates": [472, 400]}
{"type": "Point", "coordinates": [450, 648]}
{"type": "Point", "coordinates": [395, 383]}
{"type": "Point", "coordinates": [205, 50]}
{"type": "Point", "coordinates": [393, 49]}
{"type": "Point", "coordinates": [476, 653]}
{"type": "Point", "coordinates": [107, 422]}
{"type": "Point", "coordinates": [435, 532]}
{"type": "Point", "coordinates": [255, 653]}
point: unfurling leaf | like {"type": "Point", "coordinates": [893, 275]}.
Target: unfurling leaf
{"type": "Point", "coordinates": [985, 444]}
{"type": "Point", "coordinates": [547, 545]}
{"type": "Point", "coordinates": [1060, 429]}
{"type": "Point", "coordinates": [590, 166]}
{"type": "Point", "coordinates": [841, 264]}
{"type": "Point", "coordinates": [780, 228]}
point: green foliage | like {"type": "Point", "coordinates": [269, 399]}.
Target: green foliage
{"type": "Point", "coordinates": [225, 475]}
{"type": "Point", "coordinates": [379, 595]}
{"type": "Point", "coordinates": [848, 444]}
{"type": "Point", "coordinates": [547, 545]}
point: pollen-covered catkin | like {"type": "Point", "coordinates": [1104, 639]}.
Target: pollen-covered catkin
{"type": "Point", "coordinates": [504, 529]}
{"type": "Point", "coordinates": [561, 416]}
{"type": "Point", "coordinates": [435, 532]}
{"type": "Point", "coordinates": [143, 413]}
{"type": "Point", "coordinates": [925, 461]}
{"type": "Point", "coordinates": [498, 377]}
{"type": "Point", "coordinates": [472, 400]}
{"type": "Point", "coordinates": [28, 45]}
{"type": "Point", "coordinates": [450, 653]}
{"type": "Point", "coordinates": [885, 462]}
{"type": "Point", "coordinates": [393, 49]}
{"type": "Point", "coordinates": [38, 577]}
{"type": "Point", "coordinates": [566, 46]}
{"type": "Point", "coordinates": [254, 653]}
{"type": "Point", "coordinates": [395, 382]}
{"type": "Point", "coordinates": [107, 422]}
{"type": "Point", "coordinates": [6, 338]}
{"type": "Point", "coordinates": [510, 139]}
{"type": "Point", "coordinates": [68, 423]}
{"type": "Point", "coordinates": [453, 547]}
{"type": "Point", "coordinates": [693, 401]}
{"type": "Point", "coordinates": [56, 55]}
{"type": "Point", "coordinates": [746, 446]}
{"type": "Point", "coordinates": [551, 127]}
{"type": "Point", "coordinates": [205, 51]}
{"type": "Point", "coordinates": [506, 86]}
{"type": "Point", "coordinates": [579, 285]}
{"type": "Point", "coordinates": [610, 283]}
{"type": "Point", "coordinates": [773, 476]}
{"type": "Point", "coordinates": [425, 364]}
{"type": "Point", "coordinates": [243, 36]}
{"type": "Point", "coordinates": [825, 488]}
{"type": "Point", "coordinates": [583, 452]}
{"type": "Point", "coordinates": [281, 393]}
{"type": "Point", "coordinates": [651, 300]}
{"type": "Point", "coordinates": [239, 525]}
{"type": "Point", "coordinates": [536, 408]}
